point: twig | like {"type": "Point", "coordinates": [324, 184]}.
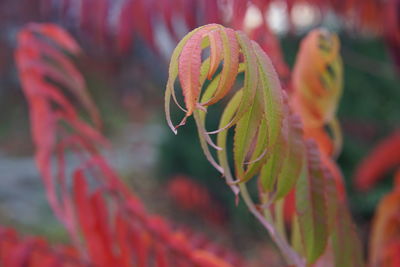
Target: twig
{"type": "Point", "coordinates": [289, 254]}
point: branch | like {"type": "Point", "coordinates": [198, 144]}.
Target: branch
{"type": "Point", "coordinates": [288, 253]}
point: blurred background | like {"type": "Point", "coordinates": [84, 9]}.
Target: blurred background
{"type": "Point", "coordinates": [127, 45]}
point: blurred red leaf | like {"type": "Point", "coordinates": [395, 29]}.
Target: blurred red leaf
{"type": "Point", "coordinates": [34, 252]}
{"type": "Point", "coordinates": [106, 222]}
{"type": "Point", "coordinates": [385, 233]}
{"type": "Point", "coordinates": [383, 157]}
{"type": "Point", "coordinates": [193, 197]}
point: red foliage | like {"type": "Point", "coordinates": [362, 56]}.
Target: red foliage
{"type": "Point", "coordinates": [384, 157]}
{"type": "Point", "coordinates": [391, 255]}
{"type": "Point", "coordinates": [115, 24]}
{"type": "Point", "coordinates": [329, 170]}
{"type": "Point", "coordinates": [35, 252]}
{"type": "Point", "coordinates": [193, 197]}
{"type": "Point", "coordinates": [392, 29]}
{"type": "Point", "coordinates": [290, 206]}
{"type": "Point", "coordinates": [98, 207]}
{"type": "Point", "coordinates": [385, 234]}
{"type": "Point", "coordinates": [316, 103]}
{"type": "Point", "coordinates": [42, 69]}
{"type": "Point", "coordinates": [365, 13]}
{"type": "Point", "coordinates": [107, 223]}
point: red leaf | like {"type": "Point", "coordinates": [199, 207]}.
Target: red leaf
{"type": "Point", "coordinates": [122, 239]}
{"type": "Point", "coordinates": [125, 26]}
{"type": "Point", "coordinates": [56, 34]}
{"type": "Point", "coordinates": [384, 157]}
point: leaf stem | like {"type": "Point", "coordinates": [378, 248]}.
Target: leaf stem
{"type": "Point", "coordinates": [289, 254]}
{"type": "Point", "coordinates": [279, 217]}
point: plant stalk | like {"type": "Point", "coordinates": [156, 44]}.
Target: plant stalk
{"type": "Point", "coordinates": [288, 253]}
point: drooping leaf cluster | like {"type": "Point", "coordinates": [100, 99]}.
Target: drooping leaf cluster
{"type": "Point", "coordinates": [268, 142]}
{"type": "Point", "coordinates": [247, 108]}
{"type": "Point", "coordinates": [317, 84]}
{"type": "Point", "coordinates": [316, 87]}
{"type": "Point", "coordinates": [44, 67]}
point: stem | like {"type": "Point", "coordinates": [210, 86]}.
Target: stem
{"type": "Point", "coordinates": [334, 125]}
{"type": "Point", "coordinates": [289, 254]}
{"type": "Point", "coordinates": [279, 218]}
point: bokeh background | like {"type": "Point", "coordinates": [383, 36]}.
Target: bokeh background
{"type": "Point", "coordinates": [126, 71]}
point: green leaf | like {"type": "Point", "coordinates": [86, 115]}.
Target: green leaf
{"type": "Point", "coordinates": [245, 132]}
{"type": "Point", "coordinates": [204, 140]}
{"type": "Point", "coordinates": [272, 95]}
{"type": "Point", "coordinates": [261, 152]}
{"type": "Point", "coordinates": [347, 248]}
{"type": "Point", "coordinates": [230, 66]}
{"type": "Point", "coordinates": [296, 236]}
{"type": "Point", "coordinates": [295, 160]}
{"type": "Point", "coordinates": [311, 206]}
{"type": "Point", "coordinates": [250, 77]}
{"type": "Point", "coordinates": [346, 244]}
{"type": "Point", "coordinates": [173, 74]}
{"type": "Point", "coordinates": [227, 116]}
{"type": "Point", "coordinates": [273, 167]}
